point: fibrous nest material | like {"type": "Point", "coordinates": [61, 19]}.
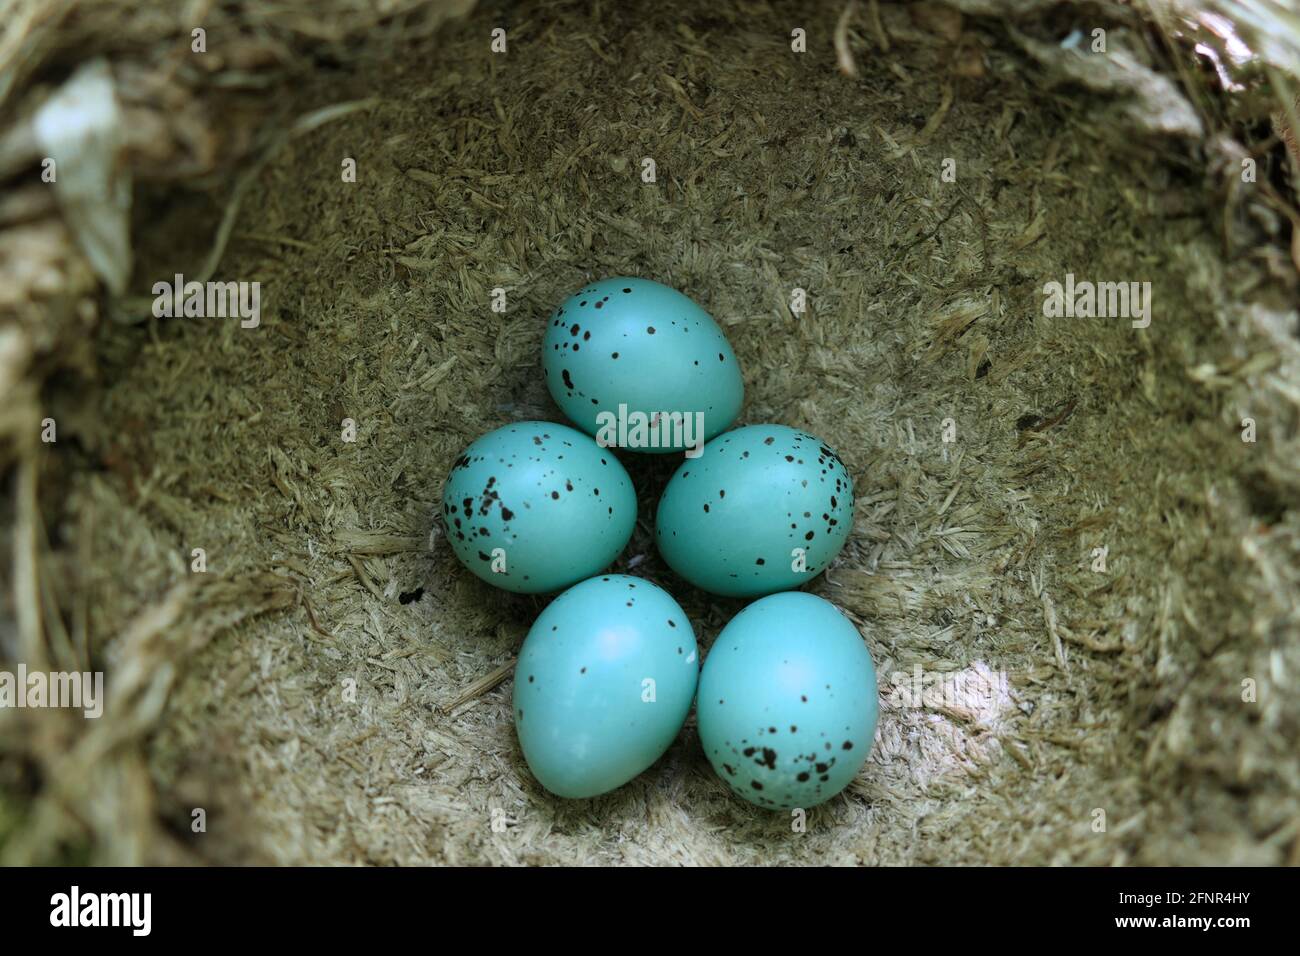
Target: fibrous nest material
{"type": "Point", "coordinates": [1079, 581]}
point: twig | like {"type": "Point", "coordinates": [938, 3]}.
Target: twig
{"type": "Point", "coordinates": [365, 578]}
{"type": "Point", "coordinates": [311, 615]}
{"type": "Point", "coordinates": [878, 27]}
{"type": "Point", "coordinates": [480, 687]}
{"type": "Point", "coordinates": [937, 117]}
{"type": "Point", "coordinates": [843, 55]}
{"type": "Point", "coordinates": [304, 124]}
{"type": "Point", "coordinates": [1049, 615]}
{"type": "Point", "coordinates": [1090, 642]}
{"type": "Point", "coordinates": [137, 309]}
{"type": "Point", "coordinates": [26, 580]}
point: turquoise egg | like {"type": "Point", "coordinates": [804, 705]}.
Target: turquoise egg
{"type": "Point", "coordinates": [788, 702]}
{"type": "Point", "coordinates": [640, 366]}
{"type": "Point", "coordinates": [764, 508]}
{"type": "Point", "coordinates": [604, 682]}
{"type": "Point", "coordinates": [535, 507]}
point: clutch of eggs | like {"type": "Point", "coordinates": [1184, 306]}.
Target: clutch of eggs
{"type": "Point", "coordinates": [764, 508]}
{"type": "Point", "coordinates": [535, 507]}
{"type": "Point", "coordinates": [788, 702]}
{"type": "Point", "coordinates": [623, 354]}
{"type": "Point", "coordinates": [604, 682]}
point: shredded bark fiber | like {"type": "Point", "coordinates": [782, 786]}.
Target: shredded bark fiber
{"type": "Point", "coordinates": [336, 688]}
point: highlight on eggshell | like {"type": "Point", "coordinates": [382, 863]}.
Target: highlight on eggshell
{"type": "Point", "coordinates": [604, 682]}
{"type": "Point", "coordinates": [638, 365]}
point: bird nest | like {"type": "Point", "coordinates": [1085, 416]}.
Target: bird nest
{"type": "Point", "coordinates": [1076, 548]}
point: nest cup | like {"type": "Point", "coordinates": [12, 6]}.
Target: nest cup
{"type": "Point", "coordinates": [1074, 548]}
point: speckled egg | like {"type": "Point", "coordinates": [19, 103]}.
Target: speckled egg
{"type": "Point", "coordinates": [788, 702]}
{"type": "Point", "coordinates": [604, 682]}
{"type": "Point", "coordinates": [536, 506]}
{"type": "Point", "coordinates": [764, 508]}
{"type": "Point", "coordinates": [640, 366]}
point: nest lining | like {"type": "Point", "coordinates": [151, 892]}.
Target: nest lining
{"type": "Point", "coordinates": [336, 690]}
